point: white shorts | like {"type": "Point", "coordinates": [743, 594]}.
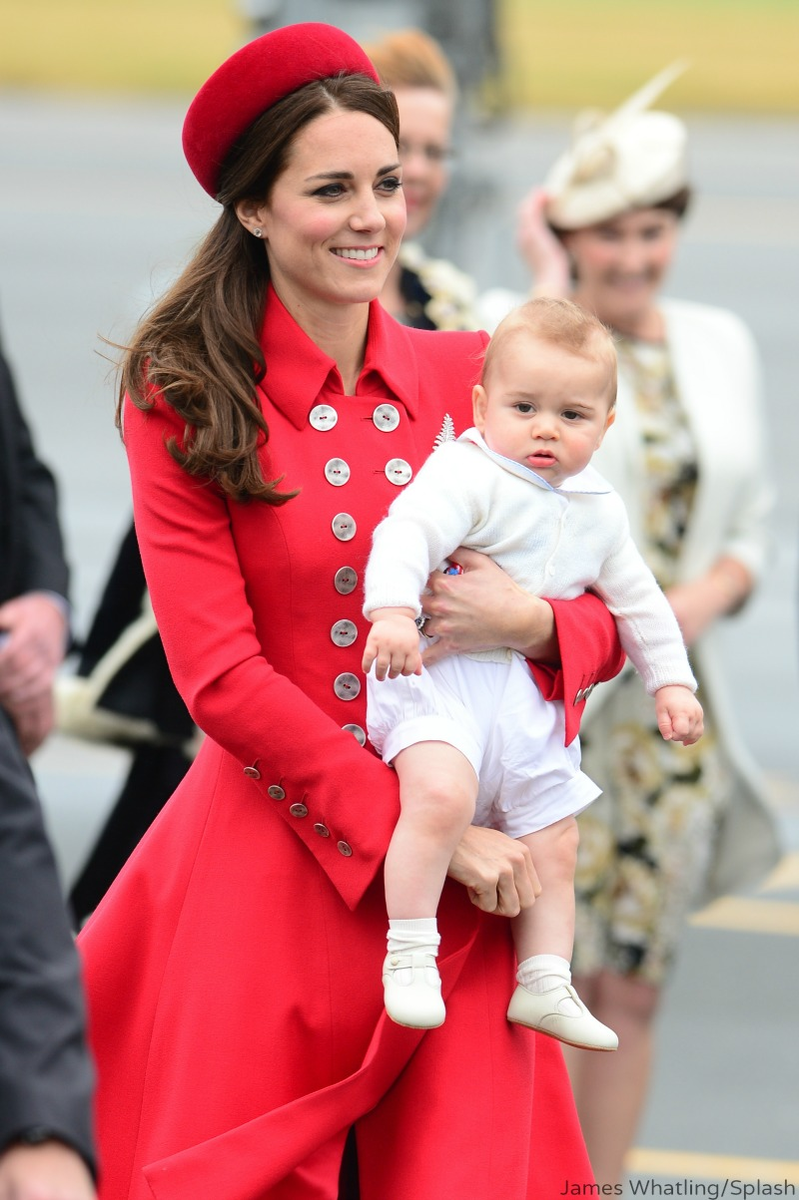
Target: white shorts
{"type": "Point", "coordinates": [495, 715]}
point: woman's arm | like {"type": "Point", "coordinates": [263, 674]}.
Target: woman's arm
{"type": "Point", "coordinates": [571, 644]}
{"type": "Point", "coordinates": [484, 608]}
{"type": "Point", "coordinates": [294, 753]}
{"type": "Point", "coordinates": [720, 592]}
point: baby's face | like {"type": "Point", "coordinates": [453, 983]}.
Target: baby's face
{"type": "Point", "coordinates": [544, 407]}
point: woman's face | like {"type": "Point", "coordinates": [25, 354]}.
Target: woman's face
{"type": "Point", "coordinates": [425, 150]}
{"type": "Point", "coordinates": [336, 215]}
{"type": "Point", "coordinates": [621, 263]}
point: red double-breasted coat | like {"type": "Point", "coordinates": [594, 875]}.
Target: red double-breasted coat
{"type": "Point", "coordinates": [233, 970]}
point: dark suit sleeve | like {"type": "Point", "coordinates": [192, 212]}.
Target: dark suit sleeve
{"type": "Point", "coordinates": [32, 542]}
{"type": "Point", "coordinates": [46, 1077]}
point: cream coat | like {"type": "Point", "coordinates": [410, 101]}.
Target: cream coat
{"type": "Point", "coordinates": [717, 376]}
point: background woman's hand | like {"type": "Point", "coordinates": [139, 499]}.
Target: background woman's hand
{"type": "Point", "coordinates": [497, 871]}
{"type": "Point", "coordinates": [699, 602]}
{"type": "Point", "coordinates": [483, 608]}
{"type": "Point", "coordinates": [540, 248]}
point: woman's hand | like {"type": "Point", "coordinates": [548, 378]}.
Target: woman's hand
{"type": "Point", "coordinates": [483, 608]}
{"type": "Point", "coordinates": [34, 639]}
{"type": "Point", "coordinates": [720, 591]}
{"type": "Point", "coordinates": [50, 1171]}
{"type": "Point", "coordinates": [540, 248]}
{"type": "Point", "coordinates": [497, 871]}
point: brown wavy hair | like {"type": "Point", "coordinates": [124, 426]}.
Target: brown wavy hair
{"type": "Point", "coordinates": [199, 344]}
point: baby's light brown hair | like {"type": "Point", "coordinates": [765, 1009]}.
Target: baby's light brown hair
{"type": "Point", "coordinates": [561, 323]}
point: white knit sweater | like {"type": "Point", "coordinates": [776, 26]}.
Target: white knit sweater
{"type": "Point", "coordinates": [554, 542]}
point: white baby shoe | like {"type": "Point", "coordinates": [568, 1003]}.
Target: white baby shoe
{"type": "Point", "coordinates": [412, 989]}
{"type": "Point", "coordinates": [561, 1013]}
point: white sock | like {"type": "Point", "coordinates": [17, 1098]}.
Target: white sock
{"type": "Point", "coordinates": [420, 933]}
{"type": "Point", "coordinates": [543, 972]}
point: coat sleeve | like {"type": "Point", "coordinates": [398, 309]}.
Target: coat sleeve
{"type": "Point", "coordinates": [235, 696]}
{"type": "Point", "coordinates": [46, 1076]}
{"type": "Point", "coordinates": [590, 653]}
{"type": "Point", "coordinates": [749, 536]}
{"type": "Point", "coordinates": [38, 559]}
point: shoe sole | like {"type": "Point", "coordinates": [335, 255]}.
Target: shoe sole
{"type": "Point", "coordinates": [407, 1025]}
{"type": "Point", "coordinates": [565, 1041]}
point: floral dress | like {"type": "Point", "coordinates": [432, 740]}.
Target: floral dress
{"type": "Point", "coordinates": [646, 843]}
{"type": "Point", "coordinates": [435, 293]}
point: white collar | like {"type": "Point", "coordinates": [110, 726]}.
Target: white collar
{"type": "Point", "coordinates": [588, 481]}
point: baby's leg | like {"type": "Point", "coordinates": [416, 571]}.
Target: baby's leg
{"type": "Point", "coordinates": [548, 926]}
{"type": "Point", "coordinates": [438, 789]}
{"type": "Point", "coordinates": [544, 937]}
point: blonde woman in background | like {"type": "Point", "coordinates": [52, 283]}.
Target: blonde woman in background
{"type": "Point", "coordinates": [423, 292]}
{"type": "Point", "coordinates": [675, 825]}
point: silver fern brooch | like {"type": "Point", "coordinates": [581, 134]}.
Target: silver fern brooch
{"type": "Point", "coordinates": [447, 433]}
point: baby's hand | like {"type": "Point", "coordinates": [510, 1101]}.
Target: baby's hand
{"type": "Point", "coordinates": [679, 714]}
{"type": "Point", "coordinates": [393, 644]}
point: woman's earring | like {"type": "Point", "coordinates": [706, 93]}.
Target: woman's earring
{"type": "Point", "coordinates": [258, 231]}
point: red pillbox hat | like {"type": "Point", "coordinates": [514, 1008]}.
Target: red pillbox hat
{"type": "Point", "coordinates": [256, 77]}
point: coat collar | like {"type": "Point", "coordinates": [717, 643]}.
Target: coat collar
{"type": "Point", "coordinates": [297, 370]}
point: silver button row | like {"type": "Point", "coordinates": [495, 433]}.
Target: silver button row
{"type": "Point", "coordinates": [385, 417]}
{"type": "Point", "coordinates": [337, 472]}
{"type": "Point", "coordinates": [344, 527]}
{"type": "Point", "coordinates": [345, 580]}
{"type": "Point", "coordinates": [396, 470]}
{"type": "Point", "coordinates": [343, 633]}
{"type": "Point", "coordinates": [300, 810]}
{"type": "Point", "coordinates": [347, 686]}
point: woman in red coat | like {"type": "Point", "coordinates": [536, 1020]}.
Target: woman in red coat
{"type": "Point", "coordinates": [272, 410]}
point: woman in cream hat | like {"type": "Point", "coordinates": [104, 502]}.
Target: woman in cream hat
{"type": "Point", "coordinates": [271, 409]}
{"type": "Point", "coordinates": [675, 825]}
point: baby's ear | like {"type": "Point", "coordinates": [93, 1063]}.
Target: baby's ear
{"type": "Point", "coordinates": [479, 405]}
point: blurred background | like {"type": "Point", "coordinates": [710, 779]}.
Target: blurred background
{"type": "Point", "coordinates": [98, 210]}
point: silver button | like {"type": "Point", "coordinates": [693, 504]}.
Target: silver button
{"type": "Point", "coordinates": [344, 633]}
{"type": "Point", "coordinates": [323, 417]}
{"type": "Point", "coordinates": [344, 527]}
{"type": "Point", "coordinates": [337, 472]}
{"type": "Point", "coordinates": [346, 580]}
{"type": "Point", "coordinates": [398, 471]}
{"type": "Point", "coordinates": [276, 792]}
{"type": "Point", "coordinates": [356, 732]}
{"type": "Point", "coordinates": [299, 810]}
{"type": "Point", "coordinates": [386, 417]}
{"type": "Point", "coordinates": [346, 685]}
{"type": "Point", "coordinates": [344, 848]}
{"type": "Point", "coordinates": [252, 772]}
{"type": "Point", "coordinates": [321, 829]}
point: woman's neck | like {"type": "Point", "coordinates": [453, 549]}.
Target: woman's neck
{"type": "Point", "coordinates": [340, 332]}
{"type": "Point", "coordinates": [647, 324]}
{"type": "Point", "coordinates": [391, 296]}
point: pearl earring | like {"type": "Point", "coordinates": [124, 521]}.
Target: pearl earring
{"type": "Point", "coordinates": [258, 232]}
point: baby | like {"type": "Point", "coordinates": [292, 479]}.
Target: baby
{"type": "Point", "coordinates": [471, 737]}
